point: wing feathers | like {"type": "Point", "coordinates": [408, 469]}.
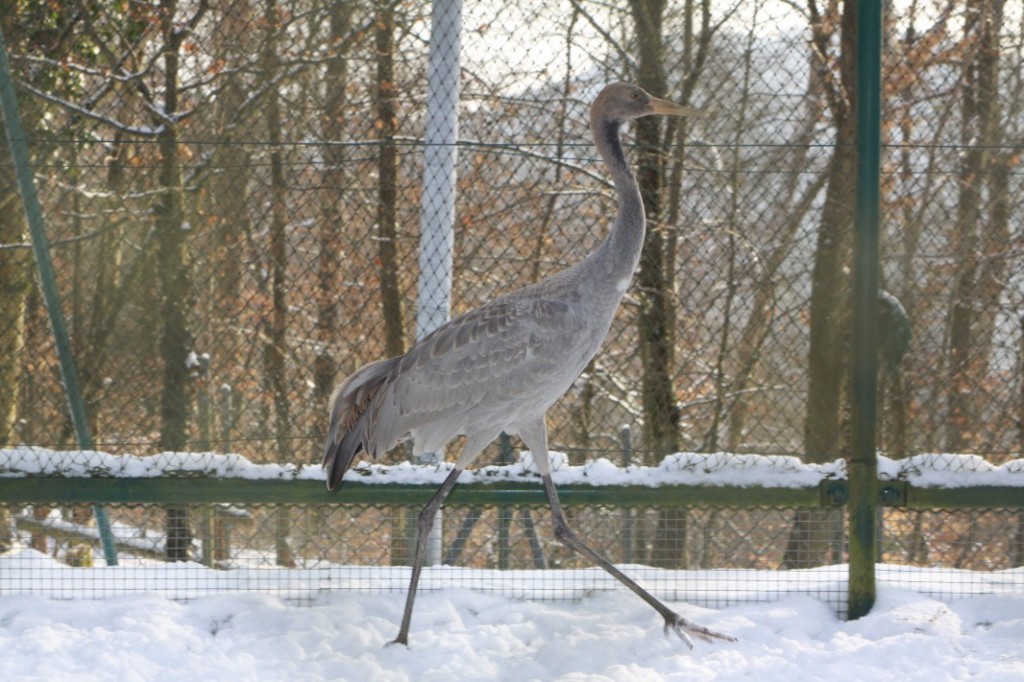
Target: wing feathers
{"type": "Point", "coordinates": [461, 377]}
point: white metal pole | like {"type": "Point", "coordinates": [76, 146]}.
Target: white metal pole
{"type": "Point", "coordinates": [439, 156]}
{"type": "Point", "coordinates": [437, 221]}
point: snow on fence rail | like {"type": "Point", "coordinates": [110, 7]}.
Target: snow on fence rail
{"type": "Point", "coordinates": [934, 470]}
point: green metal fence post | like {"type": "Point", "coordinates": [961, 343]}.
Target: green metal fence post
{"type": "Point", "coordinates": [34, 215]}
{"type": "Point", "coordinates": [863, 463]}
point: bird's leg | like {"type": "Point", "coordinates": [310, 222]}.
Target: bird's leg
{"type": "Point", "coordinates": [673, 621]}
{"type": "Point", "coordinates": [423, 527]}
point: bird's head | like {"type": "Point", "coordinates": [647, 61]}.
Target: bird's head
{"type": "Point", "coordinates": [621, 102]}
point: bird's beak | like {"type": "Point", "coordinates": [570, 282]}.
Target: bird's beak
{"type": "Point", "coordinates": [666, 108]}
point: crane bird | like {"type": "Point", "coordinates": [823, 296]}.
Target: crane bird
{"type": "Point", "coordinates": [501, 366]}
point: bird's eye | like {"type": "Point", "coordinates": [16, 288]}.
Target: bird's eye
{"type": "Point", "coordinates": [635, 94]}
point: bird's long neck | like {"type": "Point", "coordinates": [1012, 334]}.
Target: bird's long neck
{"type": "Point", "coordinates": [621, 250]}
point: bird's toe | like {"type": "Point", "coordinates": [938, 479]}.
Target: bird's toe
{"type": "Point", "coordinates": [684, 628]}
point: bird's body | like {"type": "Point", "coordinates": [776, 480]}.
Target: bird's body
{"type": "Point", "coordinates": [478, 374]}
{"type": "Point", "coordinates": [500, 367]}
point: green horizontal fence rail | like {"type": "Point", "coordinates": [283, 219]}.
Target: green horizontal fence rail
{"type": "Point", "coordinates": [200, 490]}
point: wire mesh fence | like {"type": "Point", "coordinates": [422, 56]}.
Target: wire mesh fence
{"type": "Point", "coordinates": [496, 549]}
{"type": "Point", "coordinates": [234, 190]}
{"type": "Point", "coordinates": [732, 555]}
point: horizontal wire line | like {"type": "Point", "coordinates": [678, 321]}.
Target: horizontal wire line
{"type": "Point", "coordinates": [510, 146]}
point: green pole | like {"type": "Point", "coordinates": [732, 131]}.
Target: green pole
{"type": "Point", "coordinates": [34, 214]}
{"type": "Point", "coordinates": [863, 463]}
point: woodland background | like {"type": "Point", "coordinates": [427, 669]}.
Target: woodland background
{"type": "Point", "coordinates": [232, 191]}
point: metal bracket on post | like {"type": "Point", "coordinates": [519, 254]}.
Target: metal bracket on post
{"type": "Point", "coordinates": [34, 215]}
{"type": "Point", "coordinates": [892, 493]}
{"type": "Point", "coordinates": [834, 493]}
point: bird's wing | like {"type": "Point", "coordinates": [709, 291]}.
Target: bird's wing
{"type": "Point", "coordinates": [495, 358]}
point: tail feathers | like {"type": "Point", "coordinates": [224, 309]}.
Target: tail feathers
{"type": "Point", "coordinates": [338, 455]}
{"type": "Point", "coordinates": [349, 405]}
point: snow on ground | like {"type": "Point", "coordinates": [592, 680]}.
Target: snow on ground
{"type": "Point", "coordinates": [466, 634]}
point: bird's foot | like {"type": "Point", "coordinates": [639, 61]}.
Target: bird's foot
{"type": "Point", "coordinates": [404, 641]}
{"type": "Point", "coordinates": [684, 628]}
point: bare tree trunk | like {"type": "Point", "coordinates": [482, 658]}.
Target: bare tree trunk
{"type": "Point", "coordinates": [1018, 540]}
{"type": "Point", "coordinates": [894, 438]}
{"type": "Point", "coordinates": [653, 283]}
{"type": "Point", "coordinates": [661, 414]}
{"type": "Point", "coordinates": [173, 275]}
{"type": "Point", "coordinates": [95, 318]}
{"type": "Point", "coordinates": [403, 521]}
{"type": "Point", "coordinates": [16, 264]}
{"type": "Point", "coordinates": [108, 299]}
{"type": "Point", "coordinates": [387, 187]}
{"type": "Point", "coordinates": [696, 45]}
{"type": "Point", "coordinates": [787, 216]}
{"type": "Point", "coordinates": [331, 245]}
{"type": "Point", "coordinates": [894, 406]}
{"type": "Point", "coordinates": [810, 537]}
{"type": "Point", "coordinates": [229, 214]}
{"type": "Point", "coordinates": [275, 343]}
{"type": "Point", "coordinates": [752, 337]}
{"type": "Point", "coordinates": [276, 319]}
{"type": "Point", "coordinates": [829, 305]}
{"type": "Point", "coordinates": [15, 282]}
{"type": "Point", "coordinates": [970, 332]}
{"type": "Point", "coordinates": [552, 199]}
{"type": "Point", "coordinates": [710, 442]}
{"type": "Point", "coordinates": [175, 341]}
{"type": "Point", "coordinates": [996, 236]}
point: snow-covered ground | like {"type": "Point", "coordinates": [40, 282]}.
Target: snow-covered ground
{"type": "Point", "coordinates": [223, 631]}
{"type": "Point", "coordinates": [469, 635]}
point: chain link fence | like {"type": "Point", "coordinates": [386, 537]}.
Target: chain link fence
{"type": "Point", "coordinates": [232, 190]}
